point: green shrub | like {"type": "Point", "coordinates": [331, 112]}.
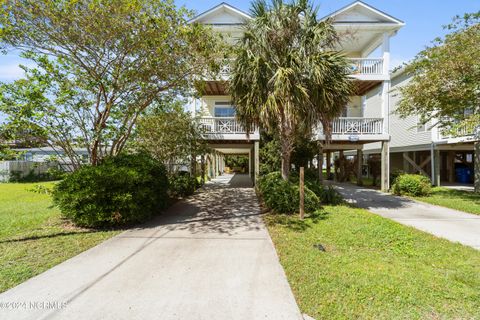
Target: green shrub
{"type": "Point", "coordinates": [181, 185]}
{"type": "Point", "coordinates": [283, 196]}
{"type": "Point", "coordinates": [121, 190]}
{"type": "Point", "coordinates": [412, 185]}
{"type": "Point", "coordinates": [327, 195]}
{"type": "Point", "coordinates": [395, 174]}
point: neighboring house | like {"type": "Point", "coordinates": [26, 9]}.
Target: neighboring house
{"type": "Point", "coordinates": [423, 148]}
{"type": "Point", "coordinates": [365, 39]}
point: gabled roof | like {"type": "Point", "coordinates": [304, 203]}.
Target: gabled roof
{"type": "Point", "coordinates": [363, 13]}
{"type": "Point", "coordinates": [219, 9]}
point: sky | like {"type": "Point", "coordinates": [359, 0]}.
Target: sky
{"type": "Point", "coordinates": [424, 20]}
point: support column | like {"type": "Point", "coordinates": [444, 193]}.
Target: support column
{"type": "Point", "coordinates": [438, 162]}
{"type": "Point", "coordinates": [406, 169]}
{"type": "Point", "coordinates": [257, 160]}
{"type": "Point", "coordinates": [329, 162]}
{"type": "Point", "coordinates": [435, 165]}
{"type": "Point", "coordinates": [476, 164]}
{"type": "Point", "coordinates": [320, 164]}
{"type": "Point", "coordinates": [385, 171]}
{"type": "Point", "coordinates": [250, 163]}
{"type": "Point", "coordinates": [451, 166]}
{"type": "Point", "coordinates": [359, 167]}
{"type": "Point", "coordinates": [340, 174]}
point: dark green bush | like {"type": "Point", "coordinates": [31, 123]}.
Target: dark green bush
{"type": "Point", "coordinates": [121, 190]}
{"type": "Point", "coordinates": [181, 185]}
{"type": "Point", "coordinates": [283, 196]}
{"type": "Point", "coordinates": [412, 185]}
{"type": "Point", "coordinates": [327, 195]}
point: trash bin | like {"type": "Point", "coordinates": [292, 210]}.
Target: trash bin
{"type": "Point", "coordinates": [461, 174]}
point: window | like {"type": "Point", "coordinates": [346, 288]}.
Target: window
{"type": "Point", "coordinates": [422, 126]}
{"type": "Point", "coordinates": [224, 109]}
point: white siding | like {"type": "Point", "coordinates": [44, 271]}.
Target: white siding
{"type": "Point", "coordinates": [354, 107]}
{"type": "Point", "coordinates": [373, 103]}
{"type": "Point", "coordinates": [207, 104]}
{"type": "Point", "coordinates": [403, 131]}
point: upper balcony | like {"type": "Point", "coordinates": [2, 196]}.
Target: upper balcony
{"type": "Point", "coordinates": [359, 67]}
{"type": "Point", "coordinates": [226, 128]}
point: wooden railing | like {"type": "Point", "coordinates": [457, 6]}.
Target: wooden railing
{"type": "Point", "coordinates": [356, 126]}
{"type": "Point", "coordinates": [222, 125]}
{"type": "Point", "coordinates": [366, 66]}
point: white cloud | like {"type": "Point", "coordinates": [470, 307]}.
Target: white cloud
{"type": "Point", "coordinates": [11, 72]}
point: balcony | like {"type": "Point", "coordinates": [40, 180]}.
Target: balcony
{"type": "Point", "coordinates": [358, 66]}
{"type": "Point", "coordinates": [225, 128]}
{"type": "Point", "coordinates": [366, 66]}
{"type": "Point", "coordinates": [356, 129]}
{"type": "Point", "coordinates": [460, 133]}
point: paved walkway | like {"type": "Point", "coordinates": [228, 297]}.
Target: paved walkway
{"type": "Point", "coordinates": [446, 223]}
{"type": "Point", "coordinates": [209, 257]}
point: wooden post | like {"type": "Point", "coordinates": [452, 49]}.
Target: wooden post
{"type": "Point", "coordinates": [302, 193]}
{"type": "Point", "coordinates": [476, 164]}
{"type": "Point", "coordinates": [320, 164]}
{"type": "Point", "coordinates": [359, 167]}
{"type": "Point", "coordinates": [202, 165]}
{"type": "Point", "coordinates": [329, 162]}
{"type": "Point", "coordinates": [437, 165]}
{"type": "Point", "coordinates": [256, 161]}
{"type": "Point", "coordinates": [451, 166]}
{"type": "Point", "coordinates": [406, 169]}
{"type": "Point", "coordinates": [385, 170]}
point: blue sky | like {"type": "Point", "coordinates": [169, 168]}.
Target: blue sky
{"type": "Point", "coordinates": [423, 18]}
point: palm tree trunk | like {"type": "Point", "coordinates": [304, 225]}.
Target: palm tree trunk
{"type": "Point", "coordinates": [286, 155]}
{"type": "Point", "coordinates": [285, 167]}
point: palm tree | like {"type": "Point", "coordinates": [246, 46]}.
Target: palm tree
{"type": "Point", "coordinates": [287, 77]}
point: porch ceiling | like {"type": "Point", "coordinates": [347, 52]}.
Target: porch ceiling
{"type": "Point", "coordinates": [363, 86]}
{"type": "Point", "coordinates": [233, 151]}
{"type": "Point", "coordinates": [214, 88]}
{"type": "Point", "coordinates": [219, 88]}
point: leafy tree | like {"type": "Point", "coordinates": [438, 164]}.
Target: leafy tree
{"type": "Point", "coordinates": [287, 76]}
{"type": "Point", "coordinates": [233, 161]}
{"type": "Point", "coordinates": [445, 83]}
{"type": "Point", "coordinates": [99, 66]}
{"type": "Point", "coordinates": [270, 154]}
{"type": "Point", "coordinates": [171, 136]}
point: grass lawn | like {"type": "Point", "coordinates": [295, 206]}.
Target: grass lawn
{"type": "Point", "coordinates": [33, 236]}
{"type": "Point", "coordinates": [374, 268]}
{"type": "Point", "coordinates": [454, 199]}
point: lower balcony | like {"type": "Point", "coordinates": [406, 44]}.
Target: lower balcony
{"type": "Point", "coordinates": [462, 133]}
{"type": "Point", "coordinates": [226, 128]}
{"type": "Point", "coordinates": [355, 129]}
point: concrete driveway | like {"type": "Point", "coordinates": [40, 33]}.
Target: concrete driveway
{"type": "Point", "coordinates": [446, 223]}
{"type": "Point", "coordinates": [209, 257]}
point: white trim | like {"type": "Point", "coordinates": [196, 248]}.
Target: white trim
{"type": "Point", "coordinates": [368, 7]}
{"type": "Point", "coordinates": [219, 7]}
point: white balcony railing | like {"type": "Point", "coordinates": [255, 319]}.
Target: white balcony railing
{"type": "Point", "coordinates": [366, 66]}
{"type": "Point", "coordinates": [222, 125]}
{"type": "Point", "coordinates": [358, 66]}
{"type": "Point", "coordinates": [351, 126]}
{"type": "Point", "coordinates": [464, 130]}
